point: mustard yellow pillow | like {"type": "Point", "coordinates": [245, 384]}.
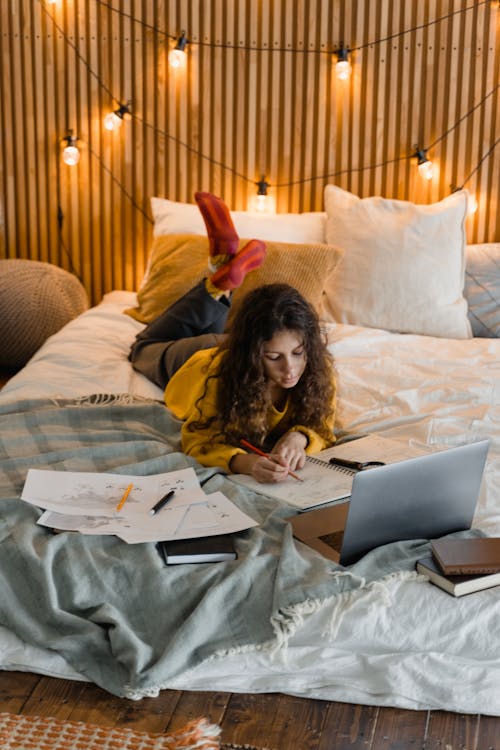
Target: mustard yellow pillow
{"type": "Point", "coordinates": [179, 261]}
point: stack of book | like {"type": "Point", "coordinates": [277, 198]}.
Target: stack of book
{"type": "Point", "coordinates": [462, 566]}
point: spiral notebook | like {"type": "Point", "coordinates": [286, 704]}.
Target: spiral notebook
{"type": "Point", "coordinates": [323, 482]}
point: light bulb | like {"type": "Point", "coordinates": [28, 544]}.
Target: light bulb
{"type": "Point", "coordinates": [177, 55]}
{"type": "Point", "coordinates": [426, 170]}
{"type": "Point", "coordinates": [112, 121]}
{"type": "Point", "coordinates": [472, 204]}
{"type": "Point", "coordinates": [342, 66]}
{"type": "Point", "coordinates": [343, 70]}
{"type": "Point", "coordinates": [425, 166]}
{"type": "Point", "coordinates": [71, 155]}
{"type": "Point", "coordinates": [176, 58]}
{"type": "Point", "coordinates": [262, 202]}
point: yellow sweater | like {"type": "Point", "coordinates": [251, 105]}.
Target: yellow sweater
{"type": "Point", "coordinates": [181, 394]}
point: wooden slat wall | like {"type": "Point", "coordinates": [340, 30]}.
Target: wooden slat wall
{"type": "Point", "coordinates": [234, 114]}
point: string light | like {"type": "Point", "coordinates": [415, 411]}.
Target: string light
{"type": "Point", "coordinates": [221, 165]}
{"type": "Point", "coordinates": [71, 153]}
{"type": "Point", "coordinates": [343, 65]}
{"type": "Point", "coordinates": [262, 202]}
{"type": "Point", "coordinates": [475, 4]}
{"type": "Point", "coordinates": [177, 55]}
{"type": "Point", "coordinates": [114, 120]}
{"type": "Point", "coordinates": [425, 166]}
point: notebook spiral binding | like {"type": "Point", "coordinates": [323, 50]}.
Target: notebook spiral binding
{"type": "Point", "coordinates": [333, 467]}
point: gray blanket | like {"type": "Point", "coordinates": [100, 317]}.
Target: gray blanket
{"type": "Point", "coordinates": [114, 611]}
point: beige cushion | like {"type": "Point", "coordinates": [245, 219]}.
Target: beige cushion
{"type": "Point", "coordinates": [403, 265]}
{"type": "Point", "coordinates": [36, 300]}
{"type": "Point", "coordinates": [178, 262]}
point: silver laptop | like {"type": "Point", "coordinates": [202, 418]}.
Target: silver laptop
{"type": "Point", "coordinates": [420, 498]}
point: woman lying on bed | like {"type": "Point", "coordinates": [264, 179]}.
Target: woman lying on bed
{"type": "Point", "coordinates": [269, 381]}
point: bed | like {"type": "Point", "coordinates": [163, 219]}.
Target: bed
{"type": "Point", "coordinates": [281, 618]}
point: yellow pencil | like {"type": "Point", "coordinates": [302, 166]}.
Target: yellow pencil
{"type": "Point", "coordinates": [125, 495]}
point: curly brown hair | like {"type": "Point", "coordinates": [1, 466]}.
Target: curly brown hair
{"type": "Point", "coordinates": [243, 398]}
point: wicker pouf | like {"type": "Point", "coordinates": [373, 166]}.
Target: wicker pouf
{"type": "Point", "coordinates": [36, 300]}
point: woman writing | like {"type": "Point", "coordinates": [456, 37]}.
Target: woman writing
{"type": "Point", "coordinates": [269, 381]}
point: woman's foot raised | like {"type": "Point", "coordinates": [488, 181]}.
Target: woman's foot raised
{"type": "Point", "coordinates": [227, 267]}
{"type": "Point", "coordinates": [232, 274]}
{"type": "Point", "coordinates": [222, 236]}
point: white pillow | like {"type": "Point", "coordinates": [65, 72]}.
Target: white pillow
{"type": "Point", "coordinates": [403, 265]}
{"type": "Point", "coordinates": [172, 217]}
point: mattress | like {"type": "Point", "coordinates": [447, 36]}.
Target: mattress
{"type": "Point", "coordinates": [398, 642]}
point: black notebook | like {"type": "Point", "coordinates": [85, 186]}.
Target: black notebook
{"type": "Point", "coordinates": [201, 550]}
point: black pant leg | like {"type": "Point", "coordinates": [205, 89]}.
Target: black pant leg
{"type": "Point", "coordinates": [196, 313]}
{"type": "Point", "coordinates": [196, 321]}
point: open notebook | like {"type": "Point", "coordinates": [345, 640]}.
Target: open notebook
{"type": "Point", "coordinates": [324, 482]}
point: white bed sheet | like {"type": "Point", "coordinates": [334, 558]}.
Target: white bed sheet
{"type": "Point", "coordinates": [402, 643]}
{"type": "Point", "coordinates": [89, 355]}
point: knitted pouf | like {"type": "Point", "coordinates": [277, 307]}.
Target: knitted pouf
{"type": "Point", "coordinates": [36, 300]}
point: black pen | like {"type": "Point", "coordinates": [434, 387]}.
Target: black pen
{"type": "Point", "coordinates": [161, 503]}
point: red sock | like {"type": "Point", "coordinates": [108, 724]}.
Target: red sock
{"type": "Point", "coordinates": [222, 236]}
{"type": "Point", "coordinates": [231, 275]}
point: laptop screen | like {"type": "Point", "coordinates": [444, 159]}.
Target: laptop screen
{"type": "Point", "coordinates": [421, 498]}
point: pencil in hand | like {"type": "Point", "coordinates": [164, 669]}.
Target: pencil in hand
{"type": "Point", "coordinates": [258, 451]}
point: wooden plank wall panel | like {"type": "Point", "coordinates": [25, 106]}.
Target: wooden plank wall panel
{"type": "Point", "coordinates": [258, 96]}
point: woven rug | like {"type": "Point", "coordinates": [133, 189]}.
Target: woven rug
{"type": "Point", "coordinates": [23, 732]}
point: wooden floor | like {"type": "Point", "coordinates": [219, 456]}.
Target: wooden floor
{"type": "Point", "coordinates": [273, 721]}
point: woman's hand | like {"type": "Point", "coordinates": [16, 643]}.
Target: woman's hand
{"type": "Point", "coordinates": [288, 454]}
{"type": "Point", "coordinates": [291, 448]}
{"type": "Point", "coordinates": [273, 469]}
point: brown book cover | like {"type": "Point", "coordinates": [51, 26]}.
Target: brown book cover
{"type": "Point", "coordinates": [454, 584]}
{"type": "Point", "coordinates": [470, 556]}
